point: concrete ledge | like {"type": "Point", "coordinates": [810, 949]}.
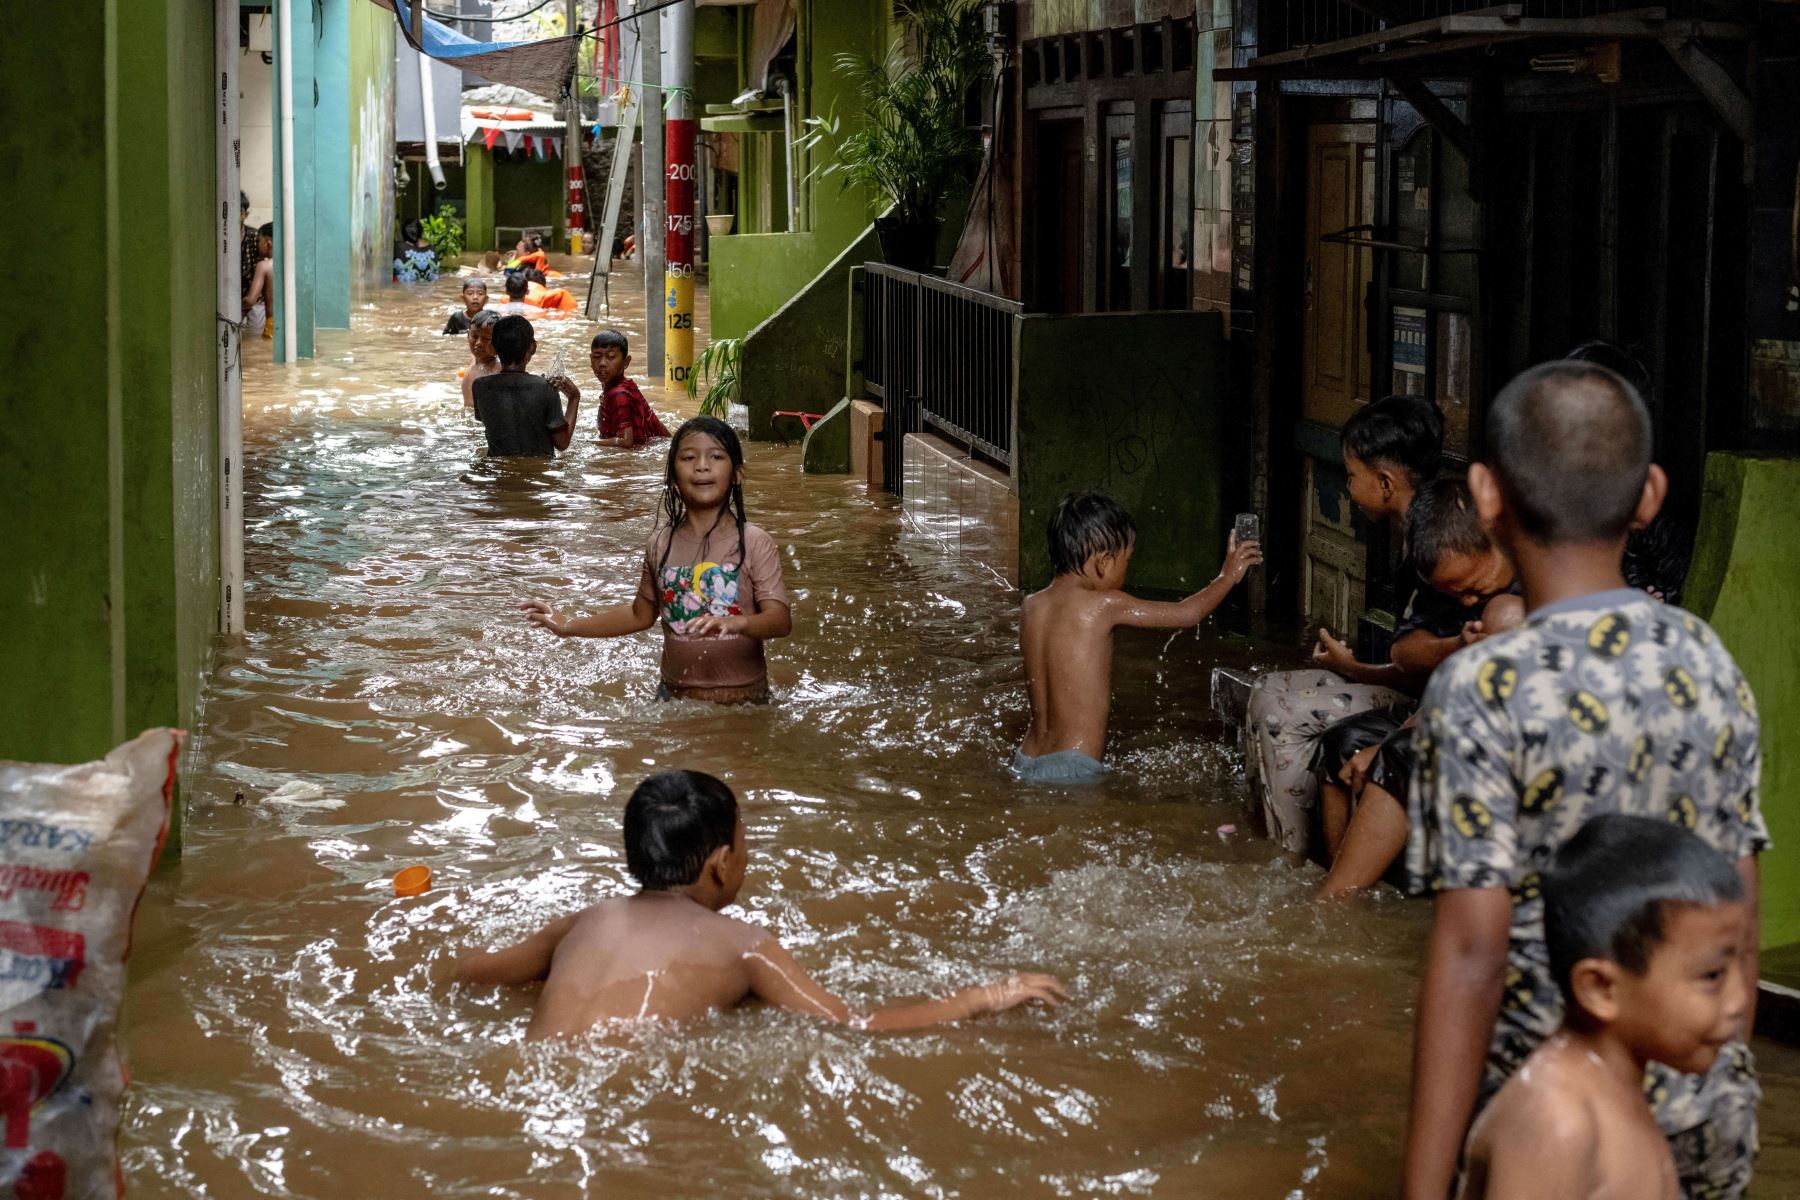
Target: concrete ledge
{"type": "Point", "coordinates": [866, 459]}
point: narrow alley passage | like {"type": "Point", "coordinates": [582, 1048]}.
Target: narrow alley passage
{"type": "Point", "coordinates": [287, 1031]}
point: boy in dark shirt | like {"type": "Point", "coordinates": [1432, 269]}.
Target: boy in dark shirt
{"type": "Point", "coordinates": [520, 411]}
{"type": "Point", "coordinates": [1604, 701]}
{"type": "Point", "coordinates": [474, 298]}
{"type": "Point", "coordinates": [626, 419]}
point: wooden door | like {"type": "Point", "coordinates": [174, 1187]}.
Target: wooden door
{"type": "Point", "coordinates": [1340, 194]}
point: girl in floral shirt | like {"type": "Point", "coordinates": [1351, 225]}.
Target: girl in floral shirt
{"type": "Point", "coordinates": [712, 578]}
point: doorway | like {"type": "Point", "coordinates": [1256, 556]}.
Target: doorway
{"type": "Point", "coordinates": [1060, 245]}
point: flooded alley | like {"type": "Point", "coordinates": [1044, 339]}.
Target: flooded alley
{"type": "Point", "coordinates": [288, 1029]}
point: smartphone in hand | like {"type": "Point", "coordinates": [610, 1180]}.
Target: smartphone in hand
{"type": "Point", "coordinates": [1249, 528]}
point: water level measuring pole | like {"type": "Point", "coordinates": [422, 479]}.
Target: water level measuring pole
{"type": "Point", "coordinates": [573, 172]}
{"type": "Point", "coordinates": [651, 198]}
{"type": "Point", "coordinates": [680, 134]}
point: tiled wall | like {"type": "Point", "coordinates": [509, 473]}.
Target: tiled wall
{"type": "Point", "coordinates": [964, 506]}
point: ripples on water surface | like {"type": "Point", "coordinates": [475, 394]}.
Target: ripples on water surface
{"type": "Point", "coordinates": [1225, 1037]}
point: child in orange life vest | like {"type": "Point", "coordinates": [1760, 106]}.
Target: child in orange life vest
{"type": "Point", "coordinates": [714, 582]}
{"type": "Point", "coordinates": [626, 418]}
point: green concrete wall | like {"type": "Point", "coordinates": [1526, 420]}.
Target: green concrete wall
{"type": "Point", "coordinates": [332, 138]}
{"type": "Point", "coordinates": [1746, 567]}
{"type": "Point", "coordinates": [753, 274]}
{"type": "Point", "coordinates": [530, 193]}
{"type": "Point", "coordinates": [478, 188]}
{"type": "Point", "coordinates": [1131, 404]}
{"type": "Point", "coordinates": [109, 587]}
{"type": "Point", "coordinates": [794, 361]}
{"type": "Point", "coordinates": [371, 130]}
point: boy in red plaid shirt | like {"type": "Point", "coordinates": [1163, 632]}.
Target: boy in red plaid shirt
{"type": "Point", "coordinates": [626, 419]}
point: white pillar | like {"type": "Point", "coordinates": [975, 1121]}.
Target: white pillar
{"type": "Point", "coordinates": [229, 337]}
{"type": "Point", "coordinates": [290, 270]}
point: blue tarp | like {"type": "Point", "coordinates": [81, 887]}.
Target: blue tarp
{"type": "Point", "coordinates": [543, 67]}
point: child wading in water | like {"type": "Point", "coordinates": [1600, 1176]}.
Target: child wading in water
{"type": "Point", "coordinates": [1066, 633]}
{"type": "Point", "coordinates": [483, 359]}
{"type": "Point", "coordinates": [626, 418]}
{"type": "Point", "coordinates": [474, 298]}
{"type": "Point", "coordinates": [1642, 921]}
{"type": "Point", "coordinates": [667, 953]}
{"type": "Point", "coordinates": [712, 577]}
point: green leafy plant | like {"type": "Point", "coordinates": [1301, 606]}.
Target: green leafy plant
{"type": "Point", "coordinates": [445, 232]}
{"type": "Point", "coordinates": [718, 367]}
{"type": "Point", "coordinates": [913, 145]}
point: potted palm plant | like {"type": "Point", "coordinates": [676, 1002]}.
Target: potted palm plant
{"type": "Point", "coordinates": [913, 145]}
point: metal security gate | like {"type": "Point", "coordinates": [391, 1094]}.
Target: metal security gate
{"type": "Point", "coordinates": [938, 356]}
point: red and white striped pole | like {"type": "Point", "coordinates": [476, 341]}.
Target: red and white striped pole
{"type": "Point", "coordinates": [680, 134]}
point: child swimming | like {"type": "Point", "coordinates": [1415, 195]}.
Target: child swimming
{"type": "Point", "coordinates": [1066, 634]}
{"type": "Point", "coordinates": [718, 591]}
{"type": "Point", "coordinates": [668, 953]}
{"type": "Point", "coordinates": [1643, 921]}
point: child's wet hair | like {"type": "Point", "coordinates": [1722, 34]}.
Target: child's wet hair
{"type": "Point", "coordinates": [515, 286]}
{"type": "Point", "coordinates": [1570, 443]}
{"type": "Point", "coordinates": [513, 340]}
{"type": "Point", "coordinates": [533, 275]}
{"type": "Point", "coordinates": [266, 229]}
{"type": "Point", "coordinates": [674, 822]}
{"type": "Point", "coordinates": [484, 318]}
{"type": "Point", "coordinates": [475, 283]}
{"type": "Point", "coordinates": [1442, 520]}
{"type": "Point", "coordinates": [412, 231]}
{"type": "Point", "coordinates": [1607, 892]}
{"type": "Point", "coordinates": [614, 339]}
{"type": "Point", "coordinates": [674, 508]}
{"type": "Point", "coordinates": [1086, 524]}
{"type": "Point", "coordinates": [1402, 431]}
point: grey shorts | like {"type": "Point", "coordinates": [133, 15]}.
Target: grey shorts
{"type": "Point", "coordinates": [1059, 766]}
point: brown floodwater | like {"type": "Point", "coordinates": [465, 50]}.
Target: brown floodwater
{"type": "Point", "coordinates": [1225, 1036]}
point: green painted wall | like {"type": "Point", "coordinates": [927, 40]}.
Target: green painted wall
{"type": "Point", "coordinates": [478, 189]}
{"type": "Point", "coordinates": [1746, 566]}
{"type": "Point", "coordinates": [754, 274]}
{"type": "Point", "coordinates": [752, 277]}
{"type": "Point", "coordinates": [371, 132]}
{"type": "Point", "coordinates": [794, 361]}
{"type": "Point", "coordinates": [332, 139]}
{"type": "Point", "coordinates": [1131, 404]}
{"type": "Point", "coordinates": [111, 575]}
{"type": "Point", "coordinates": [55, 579]}
{"type": "Point", "coordinates": [529, 192]}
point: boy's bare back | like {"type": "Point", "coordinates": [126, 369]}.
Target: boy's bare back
{"type": "Point", "coordinates": [1565, 1127]}
{"type": "Point", "coordinates": [1066, 635]}
{"type": "Point", "coordinates": [653, 955]}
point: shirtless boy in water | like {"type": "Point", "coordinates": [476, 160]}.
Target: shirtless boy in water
{"type": "Point", "coordinates": [668, 953]}
{"type": "Point", "coordinates": [1643, 922]}
{"type": "Point", "coordinates": [483, 361]}
{"type": "Point", "coordinates": [1066, 634]}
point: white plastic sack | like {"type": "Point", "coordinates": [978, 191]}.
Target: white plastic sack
{"type": "Point", "coordinates": [76, 847]}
